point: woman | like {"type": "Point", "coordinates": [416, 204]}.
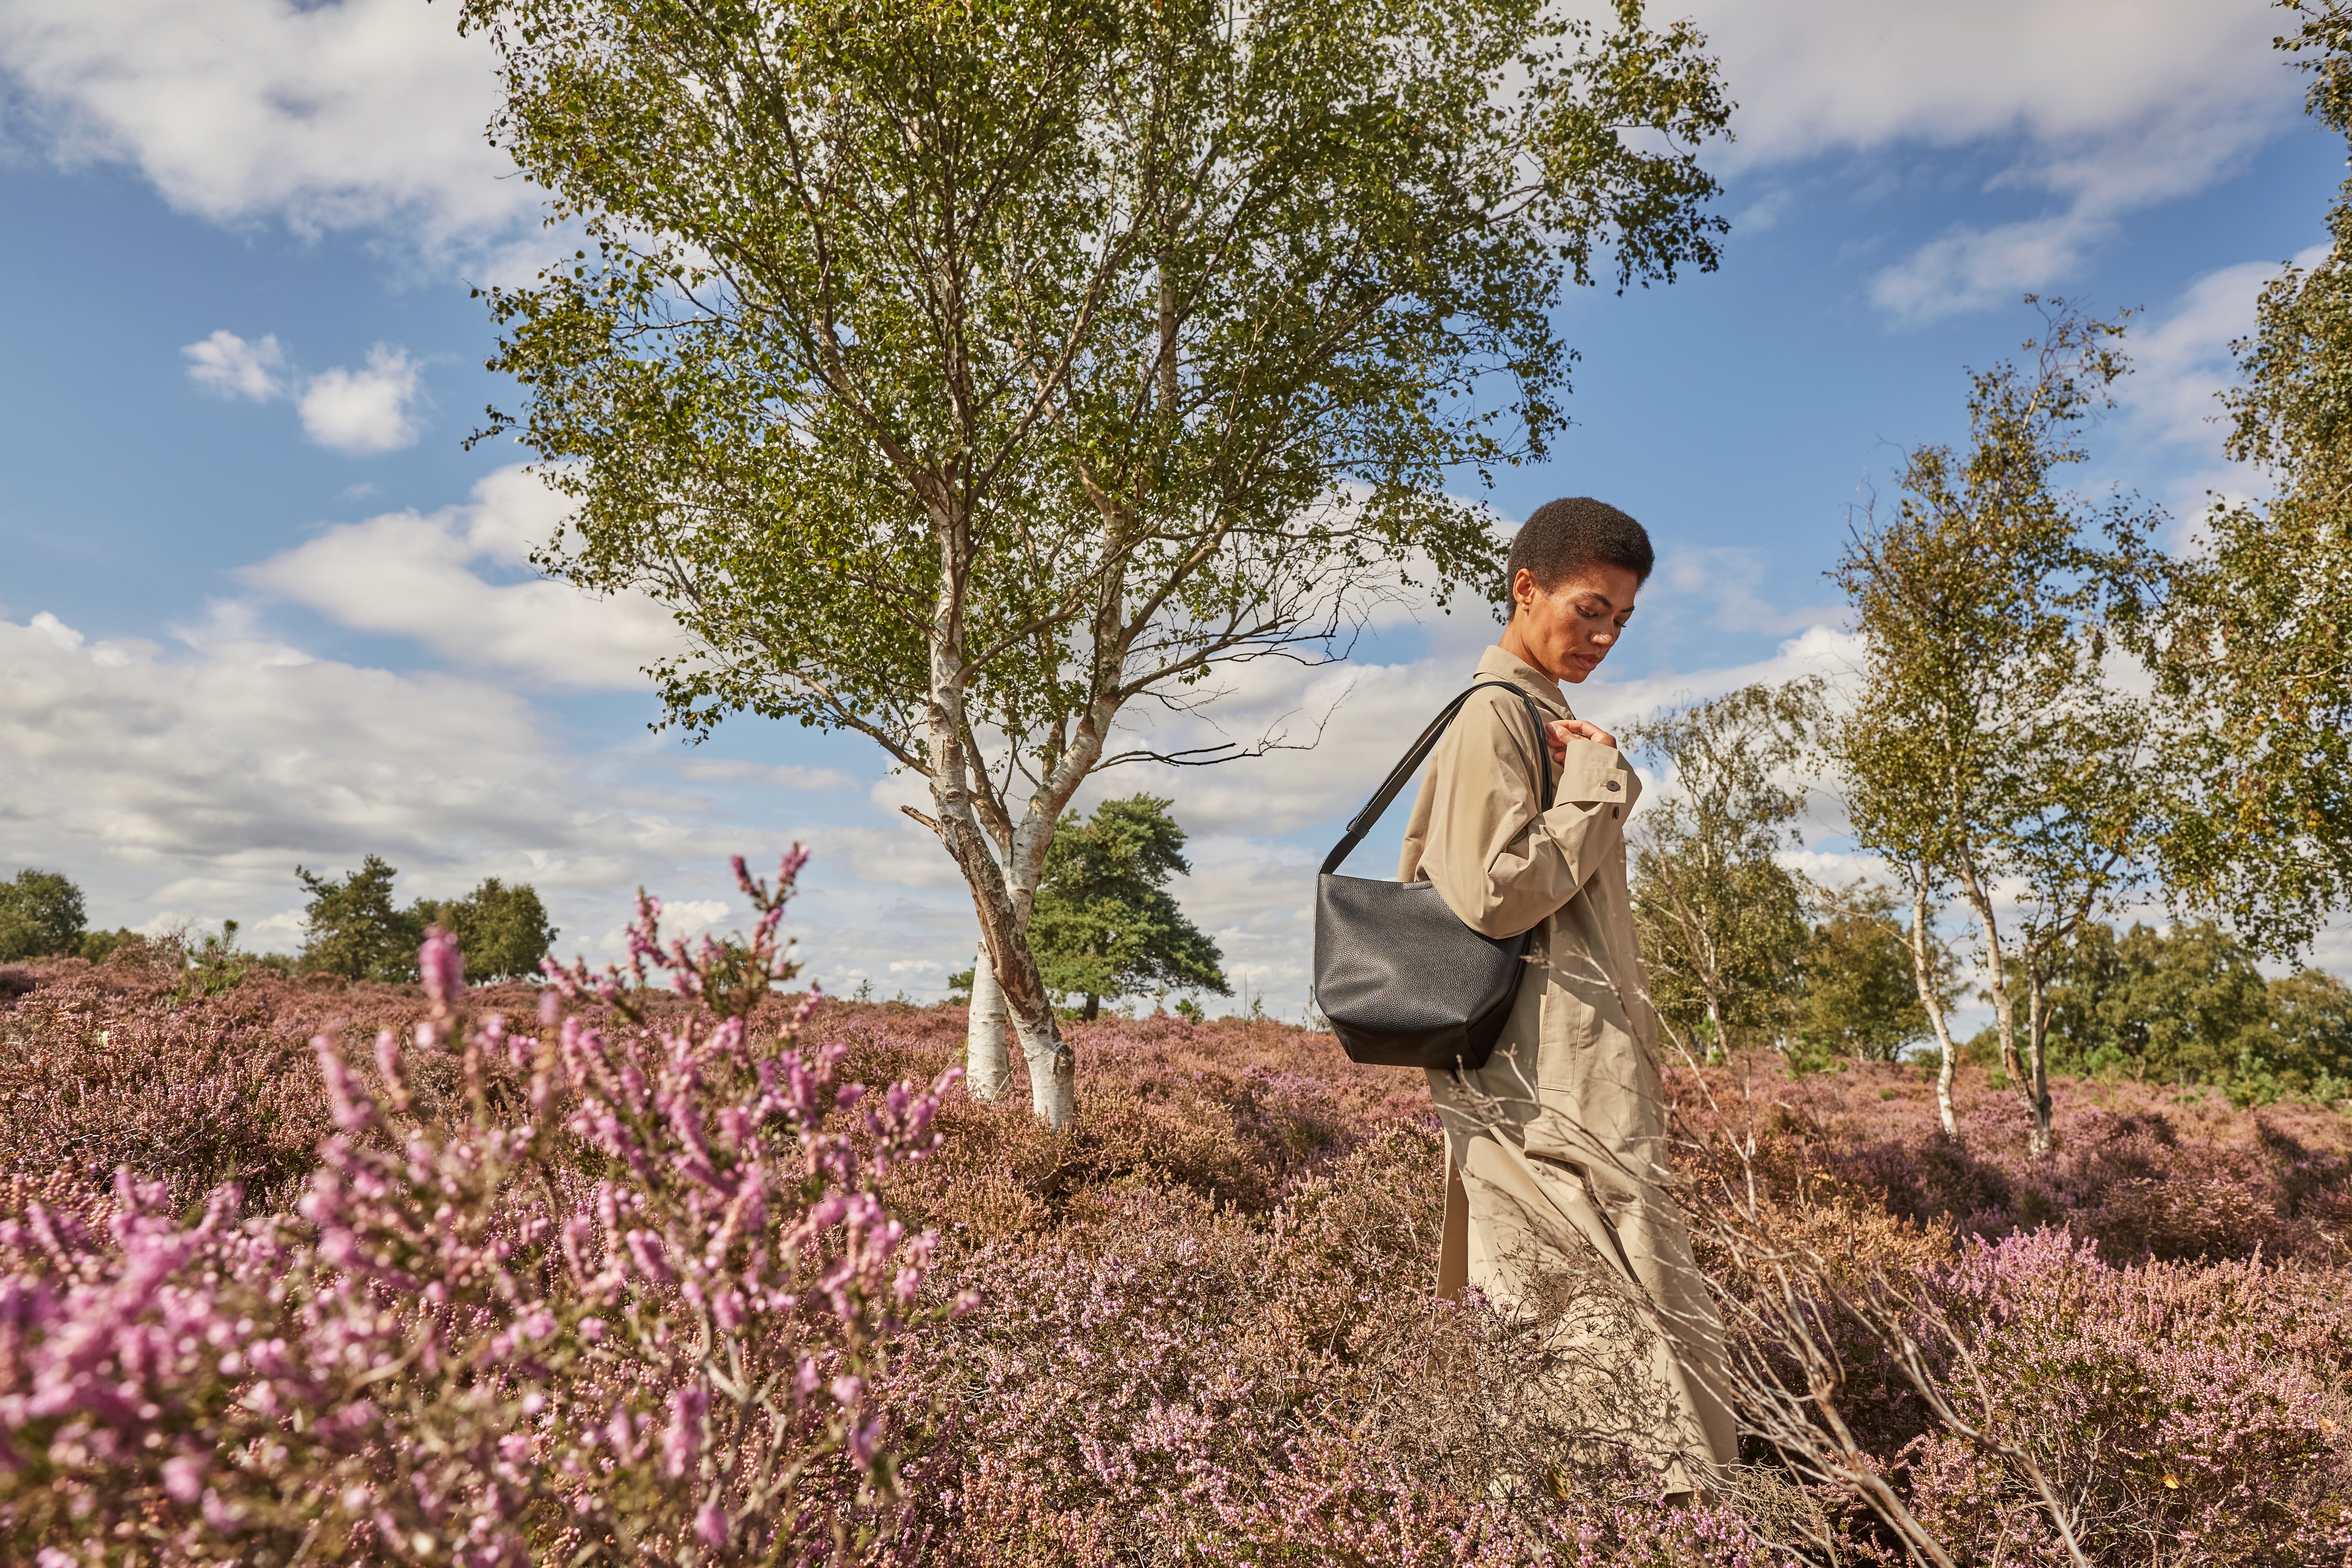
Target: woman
{"type": "Point", "coordinates": [1556, 1147]}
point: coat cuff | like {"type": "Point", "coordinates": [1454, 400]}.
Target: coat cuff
{"type": "Point", "coordinates": [1593, 775]}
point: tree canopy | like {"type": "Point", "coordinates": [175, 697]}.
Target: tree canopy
{"type": "Point", "coordinates": [1987, 747]}
{"type": "Point", "coordinates": [1105, 924]}
{"type": "Point", "coordinates": [355, 930]}
{"type": "Point", "coordinates": [1859, 997]}
{"type": "Point", "coordinates": [968, 375]}
{"type": "Point", "coordinates": [2252, 636]}
{"type": "Point", "coordinates": [41, 915]}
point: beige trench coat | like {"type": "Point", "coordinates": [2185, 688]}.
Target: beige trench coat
{"type": "Point", "coordinates": [1558, 1145]}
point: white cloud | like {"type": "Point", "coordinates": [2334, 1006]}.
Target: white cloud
{"type": "Point", "coordinates": [716, 769]}
{"type": "Point", "coordinates": [412, 574]}
{"type": "Point", "coordinates": [2108, 106]}
{"type": "Point", "coordinates": [357, 114]}
{"type": "Point", "coordinates": [366, 411]}
{"type": "Point", "coordinates": [2181, 357]}
{"type": "Point", "coordinates": [201, 778]}
{"type": "Point", "coordinates": [360, 412]}
{"type": "Point", "coordinates": [227, 364]}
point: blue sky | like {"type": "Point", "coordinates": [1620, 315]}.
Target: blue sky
{"type": "Point", "coordinates": [259, 606]}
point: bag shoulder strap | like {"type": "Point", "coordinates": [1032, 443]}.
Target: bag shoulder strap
{"type": "Point", "coordinates": [1410, 764]}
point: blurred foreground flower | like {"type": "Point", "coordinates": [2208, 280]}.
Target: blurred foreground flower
{"type": "Point", "coordinates": [623, 1302]}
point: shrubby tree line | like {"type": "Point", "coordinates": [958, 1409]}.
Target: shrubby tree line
{"type": "Point", "coordinates": [353, 929]}
{"type": "Point", "coordinates": [2055, 722]}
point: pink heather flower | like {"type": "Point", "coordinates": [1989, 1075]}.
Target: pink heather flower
{"type": "Point", "coordinates": [683, 1438]}
{"type": "Point", "coordinates": [443, 967]}
{"type": "Point", "coordinates": [848, 1391]}
{"type": "Point", "coordinates": [865, 1437]}
{"type": "Point", "coordinates": [710, 1525]}
{"type": "Point", "coordinates": [184, 1479]}
{"type": "Point", "coordinates": [646, 1248]}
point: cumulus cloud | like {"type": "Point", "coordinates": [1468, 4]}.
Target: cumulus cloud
{"type": "Point", "coordinates": [366, 411]}
{"type": "Point", "coordinates": [2181, 357]}
{"type": "Point", "coordinates": [717, 770]}
{"type": "Point", "coordinates": [420, 576]}
{"type": "Point", "coordinates": [356, 114]}
{"type": "Point", "coordinates": [196, 779]}
{"type": "Point", "coordinates": [2103, 106]}
{"type": "Point", "coordinates": [228, 365]}
{"type": "Point", "coordinates": [361, 412]}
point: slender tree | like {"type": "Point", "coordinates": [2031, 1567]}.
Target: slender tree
{"type": "Point", "coordinates": [1987, 747]}
{"type": "Point", "coordinates": [1721, 920]}
{"type": "Point", "coordinates": [967, 376]}
{"type": "Point", "coordinates": [2252, 640]}
{"type": "Point", "coordinates": [1105, 924]}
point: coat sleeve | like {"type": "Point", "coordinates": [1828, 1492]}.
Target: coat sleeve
{"type": "Point", "coordinates": [1500, 864]}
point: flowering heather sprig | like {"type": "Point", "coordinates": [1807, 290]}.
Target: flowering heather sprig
{"type": "Point", "coordinates": [624, 1305]}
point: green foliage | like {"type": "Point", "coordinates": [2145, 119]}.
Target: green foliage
{"type": "Point", "coordinates": [97, 945]}
{"type": "Point", "coordinates": [962, 375]}
{"type": "Point", "coordinates": [354, 930]}
{"type": "Point", "coordinates": [502, 931]}
{"type": "Point", "coordinates": [1987, 745]}
{"type": "Point", "coordinates": [357, 931]}
{"type": "Point", "coordinates": [2251, 638]}
{"type": "Point", "coordinates": [216, 964]}
{"type": "Point", "coordinates": [2181, 1007]}
{"type": "Point", "coordinates": [1104, 924]}
{"type": "Point", "coordinates": [2309, 1045]}
{"type": "Point", "coordinates": [1721, 920]}
{"type": "Point", "coordinates": [1859, 997]}
{"type": "Point", "coordinates": [2188, 1007]}
{"type": "Point", "coordinates": [40, 915]}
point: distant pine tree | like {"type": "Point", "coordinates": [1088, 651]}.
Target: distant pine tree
{"type": "Point", "coordinates": [1104, 924]}
{"type": "Point", "coordinates": [355, 930]}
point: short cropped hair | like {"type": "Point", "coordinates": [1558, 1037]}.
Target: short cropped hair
{"type": "Point", "coordinates": [1561, 536]}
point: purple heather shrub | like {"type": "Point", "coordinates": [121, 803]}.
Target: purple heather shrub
{"type": "Point", "coordinates": [2180, 1414]}
{"type": "Point", "coordinates": [627, 1266]}
{"type": "Point", "coordinates": [623, 1306]}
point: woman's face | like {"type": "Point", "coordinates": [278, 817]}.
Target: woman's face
{"type": "Point", "coordinates": [1566, 631]}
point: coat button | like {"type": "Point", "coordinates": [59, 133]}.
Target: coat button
{"type": "Point", "coordinates": [1611, 785]}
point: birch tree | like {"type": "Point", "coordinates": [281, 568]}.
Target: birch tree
{"type": "Point", "coordinates": [1988, 747]}
{"type": "Point", "coordinates": [2252, 636]}
{"type": "Point", "coordinates": [1722, 922]}
{"type": "Point", "coordinates": [988, 379]}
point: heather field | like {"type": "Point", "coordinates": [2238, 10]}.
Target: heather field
{"type": "Point", "coordinates": [591, 1273]}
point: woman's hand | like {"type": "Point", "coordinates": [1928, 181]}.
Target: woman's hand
{"type": "Point", "coordinates": [1558, 734]}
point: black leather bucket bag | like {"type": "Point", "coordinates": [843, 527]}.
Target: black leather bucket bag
{"type": "Point", "coordinates": [1403, 981]}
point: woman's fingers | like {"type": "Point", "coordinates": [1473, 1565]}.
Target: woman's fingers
{"type": "Point", "coordinates": [1560, 730]}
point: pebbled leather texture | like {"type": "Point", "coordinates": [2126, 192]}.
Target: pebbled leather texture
{"type": "Point", "coordinates": [1401, 980]}
{"type": "Point", "coordinates": [1404, 982]}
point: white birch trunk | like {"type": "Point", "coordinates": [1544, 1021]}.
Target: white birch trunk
{"type": "Point", "coordinates": [1053, 1070]}
{"type": "Point", "coordinates": [2004, 1012]}
{"type": "Point", "coordinates": [988, 1069]}
{"type": "Point", "coordinates": [1923, 972]}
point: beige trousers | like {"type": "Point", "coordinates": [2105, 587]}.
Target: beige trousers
{"type": "Point", "coordinates": [1512, 1217]}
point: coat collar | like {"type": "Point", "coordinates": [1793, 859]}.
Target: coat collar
{"type": "Point", "coordinates": [1497, 665]}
